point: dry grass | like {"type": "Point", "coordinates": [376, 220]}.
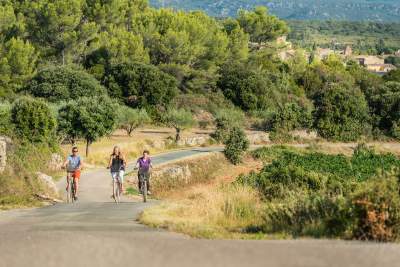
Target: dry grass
{"type": "Point", "coordinates": [214, 209]}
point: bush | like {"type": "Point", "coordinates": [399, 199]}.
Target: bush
{"type": "Point", "coordinates": [289, 117]}
{"type": "Point", "coordinates": [314, 194]}
{"type": "Point", "coordinates": [225, 120]}
{"type": "Point", "coordinates": [235, 145]}
{"type": "Point", "coordinates": [33, 120]}
{"type": "Point", "coordinates": [6, 128]}
{"type": "Point", "coordinates": [64, 84]}
{"type": "Point", "coordinates": [341, 113]}
{"type": "Point", "coordinates": [376, 206]}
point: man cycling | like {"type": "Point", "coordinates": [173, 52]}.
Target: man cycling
{"type": "Point", "coordinates": [144, 165]}
{"type": "Point", "coordinates": [73, 164]}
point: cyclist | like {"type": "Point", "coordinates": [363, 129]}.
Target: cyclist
{"type": "Point", "coordinates": [144, 165]}
{"type": "Point", "coordinates": [73, 164]}
{"type": "Point", "coordinates": [117, 165]}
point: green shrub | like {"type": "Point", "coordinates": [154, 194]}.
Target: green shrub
{"type": "Point", "coordinates": [140, 85]}
{"type": "Point", "coordinates": [6, 127]}
{"type": "Point", "coordinates": [341, 113]}
{"type": "Point", "coordinates": [33, 120]}
{"type": "Point", "coordinates": [289, 117]}
{"type": "Point", "coordinates": [63, 84]}
{"type": "Point", "coordinates": [376, 207]}
{"type": "Point", "coordinates": [321, 195]}
{"type": "Point", "coordinates": [225, 120]}
{"type": "Point", "coordinates": [179, 119]}
{"type": "Point", "coordinates": [235, 145]}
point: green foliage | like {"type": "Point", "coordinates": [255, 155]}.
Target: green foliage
{"type": "Point", "coordinates": [63, 84]}
{"type": "Point", "coordinates": [322, 195]}
{"type": "Point", "coordinates": [363, 36]}
{"type": "Point", "coordinates": [385, 108]}
{"type": "Point", "coordinates": [376, 207]}
{"type": "Point", "coordinates": [130, 119]}
{"type": "Point", "coordinates": [17, 63]}
{"type": "Point", "coordinates": [252, 89]}
{"type": "Point", "coordinates": [393, 76]}
{"type": "Point", "coordinates": [289, 117]}
{"type": "Point", "coordinates": [6, 127]}
{"type": "Point", "coordinates": [87, 118]}
{"type": "Point", "coordinates": [140, 85]}
{"type": "Point", "coordinates": [179, 119]}
{"type": "Point", "coordinates": [260, 25]}
{"type": "Point", "coordinates": [225, 121]}
{"type": "Point", "coordinates": [33, 121]}
{"type": "Point", "coordinates": [235, 145]}
{"type": "Point", "coordinates": [341, 113]}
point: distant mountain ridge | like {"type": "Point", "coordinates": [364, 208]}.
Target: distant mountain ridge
{"type": "Point", "coordinates": [356, 10]}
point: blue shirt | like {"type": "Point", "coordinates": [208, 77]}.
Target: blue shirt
{"type": "Point", "coordinates": [73, 163]}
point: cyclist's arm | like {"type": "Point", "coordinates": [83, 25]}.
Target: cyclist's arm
{"type": "Point", "coordinates": [65, 163]}
{"type": "Point", "coordinates": [110, 162]}
{"type": "Point", "coordinates": [137, 165]}
{"type": "Point", "coordinates": [80, 164]}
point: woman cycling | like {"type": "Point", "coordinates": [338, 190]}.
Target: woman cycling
{"type": "Point", "coordinates": [144, 165]}
{"type": "Point", "coordinates": [117, 166]}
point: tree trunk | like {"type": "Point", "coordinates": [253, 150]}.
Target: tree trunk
{"type": "Point", "coordinates": [88, 142]}
{"type": "Point", "coordinates": [178, 135]}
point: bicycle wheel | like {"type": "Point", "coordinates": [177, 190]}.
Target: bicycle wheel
{"type": "Point", "coordinates": [117, 192]}
{"type": "Point", "coordinates": [72, 186]}
{"type": "Point", "coordinates": [144, 189]}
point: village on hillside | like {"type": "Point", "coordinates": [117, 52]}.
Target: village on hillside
{"type": "Point", "coordinates": [373, 63]}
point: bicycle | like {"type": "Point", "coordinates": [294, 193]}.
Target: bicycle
{"type": "Point", "coordinates": [143, 186]}
{"type": "Point", "coordinates": [71, 191]}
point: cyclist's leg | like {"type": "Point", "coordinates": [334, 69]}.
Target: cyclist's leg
{"type": "Point", "coordinates": [121, 181]}
{"type": "Point", "coordinates": [76, 176]}
{"type": "Point", "coordinates": [139, 182]}
{"type": "Point", "coordinates": [114, 177]}
{"type": "Point", "coordinates": [148, 181]}
{"type": "Point", "coordinates": [68, 177]}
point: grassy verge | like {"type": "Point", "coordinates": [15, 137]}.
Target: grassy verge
{"type": "Point", "coordinates": [208, 205]}
{"type": "Point", "coordinates": [299, 192]}
{"type": "Point", "coordinates": [19, 185]}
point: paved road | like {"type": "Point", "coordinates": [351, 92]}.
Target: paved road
{"type": "Point", "coordinates": [97, 232]}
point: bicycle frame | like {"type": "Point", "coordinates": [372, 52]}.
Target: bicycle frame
{"type": "Point", "coordinates": [71, 190]}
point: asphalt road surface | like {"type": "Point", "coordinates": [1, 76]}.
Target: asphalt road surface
{"type": "Point", "coordinates": [97, 232]}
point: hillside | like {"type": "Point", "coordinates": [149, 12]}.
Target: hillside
{"type": "Point", "coordinates": [373, 10]}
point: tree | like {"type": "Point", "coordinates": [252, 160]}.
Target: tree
{"type": "Point", "coordinates": [179, 119]}
{"type": "Point", "coordinates": [392, 76]}
{"type": "Point", "coordinates": [235, 145]}
{"type": "Point", "coordinates": [341, 112]}
{"type": "Point", "coordinates": [63, 84]}
{"type": "Point", "coordinates": [140, 86]}
{"type": "Point", "coordinates": [33, 120]}
{"type": "Point", "coordinates": [130, 119]}
{"type": "Point", "coordinates": [58, 29]}
{"type": "Point", "coordinates": [225, 120]}
{"type": "Point", "coordinates": [88, 118]}
{"type": "Point", "coordinates": [21, 57]}
{"type": "Point", "coordinates": [261, 26]}
{"type": "Point", "coordinates": [385, 108]}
